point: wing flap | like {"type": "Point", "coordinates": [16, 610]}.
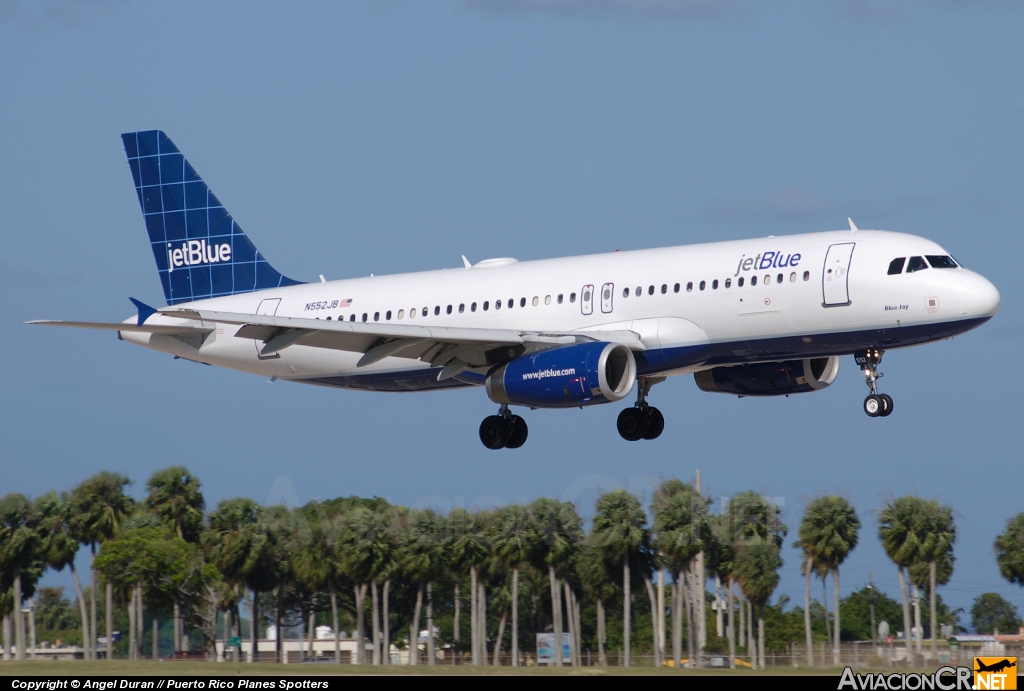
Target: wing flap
{"type": "Point", "coordinates": [163, 329]}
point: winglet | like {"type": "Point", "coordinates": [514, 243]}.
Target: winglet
{"type": "Point", "coordinates": [145, 311]}
{"type": "Point", "coordinates": [466, 263]}
{"type": "Point", "coordinates": [853, 228]}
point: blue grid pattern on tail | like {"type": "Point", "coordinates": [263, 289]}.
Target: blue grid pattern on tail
{"type": "Point", "coordinates": [200, 251]}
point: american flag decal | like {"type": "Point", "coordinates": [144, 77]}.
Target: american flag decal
{"type": "Point", "coordinates": [345, 303]}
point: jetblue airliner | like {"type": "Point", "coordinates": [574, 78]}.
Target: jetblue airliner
{"type": "Point", "coordinates": [762, 317]}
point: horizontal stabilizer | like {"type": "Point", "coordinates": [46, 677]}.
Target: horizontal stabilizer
{"type": "Point", "coordinates": [164, 329]}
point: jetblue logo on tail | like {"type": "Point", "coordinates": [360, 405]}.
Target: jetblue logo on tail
{"type": "Point", "coordinates": [200, 251]}
{"type": "Point", "coordinates": [196, 252]}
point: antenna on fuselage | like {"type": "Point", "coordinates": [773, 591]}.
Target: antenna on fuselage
{"type": "Point", "coordinates": [853, 227]}
{"type": "Point", "coordinates": [466, 263]}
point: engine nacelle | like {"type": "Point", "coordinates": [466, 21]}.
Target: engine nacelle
{"type": "Point", "coordinates": [565, 377]}
{"type": "Point", "coordinates": [771, 378]}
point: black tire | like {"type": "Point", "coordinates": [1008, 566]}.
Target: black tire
{"type": "Point", "coordinates": [519, 433]}
{"type": "Point", "coordinates": [494, 432]}
{"type": "Point", "coordinates": [887, 403]}
{"type": "Point", "coordinates": [632, 424]}
{"type": "Point", "coordinates": [655, 424]}
{"type": "Point", "coordinates": [873, 405]}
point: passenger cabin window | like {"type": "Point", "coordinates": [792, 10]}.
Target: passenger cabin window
{"type": "Point", "coordinates": [511, 303]}
{"type": "Point", "coordinates": [664, 288]}
{"type": "Point", "coordinates": [639, 291]}
{"type": "Point", "coordinates": [807, 275]}
{"type": "Point", "coordinates": [896, 266]}
{"type": "Point", "coordinates": [675, 288]}
{"type": "Point", "coordinates": [559, 298]}
{"type": "Point", "coordinates": [689, 287]}
{"type": "Point", "coordinates": [650, 290]}
{"type": "Point", "coordinates": [916, 264]}
{"type": "Point", "coordinates": [728, 283]}
{"type": "Point", "coordinates": [702, 284]}
{"type": "Point", "coordinates": [739, 282]}
{"type": "Point", "coordinates": [714, 284]}
{"type": "Point", "coordinates": [940, 261]}
{"type": "Point", "coordinates": [753, 280]}
{"type": "Point", "coordinates": [625, 292]}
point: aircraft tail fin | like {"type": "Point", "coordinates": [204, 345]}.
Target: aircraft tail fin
{"type": "Point", "coordinates": [200, 251]}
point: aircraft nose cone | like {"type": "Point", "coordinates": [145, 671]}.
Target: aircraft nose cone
{"type": "Point", "coordinates": [978, 297]}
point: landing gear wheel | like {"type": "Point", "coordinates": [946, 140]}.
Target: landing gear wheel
{"type": "Point", "coordinates": [495, 432]}
{"type": "Point", "coordinates": [632, 424]}
{"type": "Point", "coordinates": [519, 433]}
{"type": "Point", "coordinates": [655, 423]}
{"type": "Point", "coordinates": [873, 405]}
{"type": "Point", "coordinates": [887, 404]}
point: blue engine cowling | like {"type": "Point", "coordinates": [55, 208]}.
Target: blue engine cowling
{"type": "Point", "coordinates": [565, 377]}
{"type": "Point", "coordinates": [770, 378]}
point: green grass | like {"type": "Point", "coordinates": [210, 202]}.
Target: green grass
{"type": "Point", "coordinates": [145, 667]}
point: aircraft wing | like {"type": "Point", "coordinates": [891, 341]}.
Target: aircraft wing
{"type": "Point", "coordinates": [164, 329]}
{"type": "Point", "coordinates": [455, 348]}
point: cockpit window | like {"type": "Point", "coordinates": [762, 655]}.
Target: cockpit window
{"type": "Point", "coordinates": [941, 261]}
{"type": "Point", "coordinates": [896, 265]}
{"type": "Point", "coordinates": [916, 264]}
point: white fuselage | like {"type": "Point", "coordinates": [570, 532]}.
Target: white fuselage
{"type": "Point", "coordinates": [671, 297]}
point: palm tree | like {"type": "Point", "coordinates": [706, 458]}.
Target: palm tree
{"type": "Point", "coordinates": [55, 514]}
{"type": "Point", "coordinates": [469, 552]}
{"type": "Point", "coordinates": [1009, 548]}
{"type": "Point", "coordinates": [828, 533]}
{"type": "Point", "coordinates": [19, 546]}
{"type": "Point", "coordinates": [936, 549]}
{"type": "Point", "coordinates": [900, 528]}
{"type": "Point", "coordinates": [367, 557]}
{"type": "Point", "coordinates": [420, 558]}
{"type": "Point", "coordinates": [720, 557]}
{"type": "Point", "coordinates": [757, 569]}
{"type": "Point", "coordinates": [512, 546]}
{"type": "Point", "coordinates": [100, 507]}
{"type": "Point", "coordinates": [600, 584]}
{"type": "Point", "coordinates": [621, 533]}
{"type": "Point", "coordinates": [556, 536]}
{"type": "Point", "coordinates": [681, 528]}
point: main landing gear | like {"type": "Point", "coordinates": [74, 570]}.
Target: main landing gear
{"type": "Point", "coordinates": [642, 421]}
{"type": "Point", "coordinates": [876, 404]}
{"type": "Point", "coordinates": [504, 430]}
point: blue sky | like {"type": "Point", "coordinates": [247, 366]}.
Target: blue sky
{"type": "Point", "coordinates": [356, 138]}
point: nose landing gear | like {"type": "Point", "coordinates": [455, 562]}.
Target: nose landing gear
{"type": "Point", "coordinates": [642, 421]}
{"type": "Point", "coordinates": [504, 430]}
{"type": "Point", "coordinates": [876, 404]}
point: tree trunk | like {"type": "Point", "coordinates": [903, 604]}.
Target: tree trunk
{"type": "Point", "coordinates": [474, 613]}
{"type": "Point", "coordinates": [385, 653]}
{"type": "Point", "coordinates": [430, 625]}
{"type": "Point", "coordinates": [573, 651]}
{"type": "Point", "coordinates": [278, 626]}
{"type": "Point", "coordinates": [807, 612]}
{"type": "Point", "coordinates": [742, 631]}
{"type": "Point", "coordinates": [661, 614]}
{"type": "Point", "coordinates": [131, 628]}
{"type": "Point", "coordinates": [700, 607]}
{"type": "Point", "coordinates": [227, 632]}
{"type": "Point", "coordinates": [556, 615]}
{"type": "Point", "coordinates": [654, 620]}
{"type": "Point", "coordinates": [731, 628]}
{"type": "Point", "coordinates": [677, 623]}
{"type": "Point", "coordinates": [375, 620]}
{"type": "Point", "coordinates": [156, 638]}
{"type": "Point", "coordinates": [625, 611]}
{"type": "Point", "coordinates": [917, 618]}
{"type": "Point", "coordinates": [110, 621]}
{"type": "Point", "coordinates": [311, 631]}
{"type": "Point", "coordinates": [334, 625]}
{"type": "Point", "coordinates": [579, 627]}
{"type": "Point", "coordinates": [175, 647]}
{"type": "Point", "coordinates": [414, 629]}
{"type": "Point", "coordinates": [906, 611]}
{"type": "Point", "coordinates": [92, 604]}
{"type": "Point", "coordinates": [360, 593]}
{"type": "Point", "coordinates": [835, 610]}
{"type": "Point", "coordinates": [32, 631]}
{"type": "Point", "coordinates": [824, 603]}
{"type": "Point", "coordinates": [7, 637]}
{"type": "Point", "coordinates": [760, 635]}
{"type": "Point", "coordinates": [139, 621]}
{"type": "Point", "coordinates": [254, 627]}
{"type": "Point", "coordinates": [932, 606]}
{"type": "Point", "coordinates": [751, 643]}
{"type": "Point", "coordinates": [515, 616]}
{"type": "Point", "coordinates": [481, 621]}
{"type": "Point", "coordinates": [456, 632]}
{"type": "Point", "coordinates": [497, 641]}
{"type": "Point", "coordinates": [685, 601]}
{"type": "Point", "coordinates": [601, 659]}
{"type": "Point", "coordinates": [83, 611]}
{"type": "Point", "coordinates": [719, 608]}
{"type": "Point", "coordinates": [19, 618]}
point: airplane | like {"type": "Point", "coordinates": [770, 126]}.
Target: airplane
{"type": "Point", "coordinates": [768, 316]}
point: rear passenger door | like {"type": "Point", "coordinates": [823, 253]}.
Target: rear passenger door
{"type": "Point", "coordinates": [587, 299]}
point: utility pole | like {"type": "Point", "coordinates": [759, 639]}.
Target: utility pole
{"type": "Point", "coordinates": [871, 607]}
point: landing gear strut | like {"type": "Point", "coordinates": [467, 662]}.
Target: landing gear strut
{"type": "Point", "coordinates": [504, 430]}
{"type": "Point", "coordinates": [876, 404]}
{"type": "Point", "coordinates": [642, 421]}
